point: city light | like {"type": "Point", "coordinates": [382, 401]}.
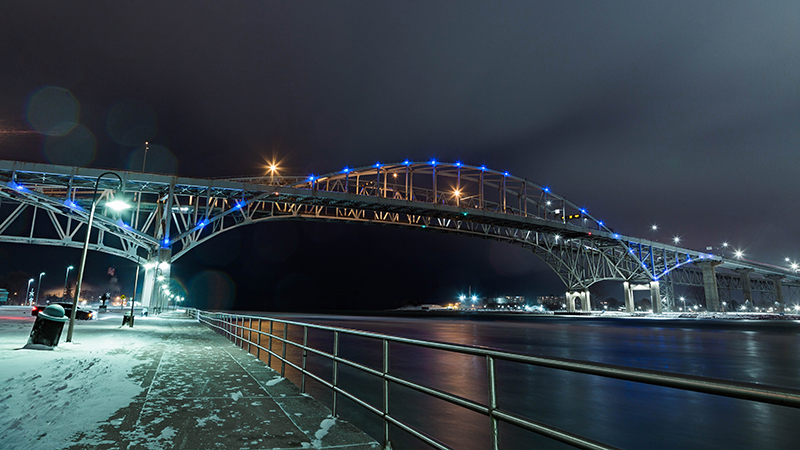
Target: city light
{"type": "Point", "coordinates": [676, 239]}
{"type": "Point", "coordinates": [654, 227]}
{"type": "Point", "coordinates": [739, 254]}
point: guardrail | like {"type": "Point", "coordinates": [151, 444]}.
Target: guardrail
{"type": "Point", "coordinates": [241, 331]}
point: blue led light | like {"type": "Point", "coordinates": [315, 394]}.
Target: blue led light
{"type": "Point", "coordinates": [616, 236]}
{"type": "Point", "coordinates": [377, 164]}
{"type": "Point", "coordinates": [406, 162]}
{"type": "Point", "coordinates": [166, 242]}
{"type": "Point", "coordinates": [583, 210]}
{"type": "Point", "coordinates": [505, 174]}
{"type": "Point", "coordinates": [458, 163]}
{"type": "Point", "coordinates": [433, 162]}
{"type": "Point", "coordinates": [600, 223]}
{"type": "Point", "coordinates": [483, 168]}
{"type": "Point", "coordinates": [346, 170]}
{"type": "Point", "coordinates": [546, 189]}
{"type": "Point", "coordinates": [311, 178]}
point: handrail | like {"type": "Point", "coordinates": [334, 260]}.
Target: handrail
{"type": "Point", "coordinates": [234, 326]}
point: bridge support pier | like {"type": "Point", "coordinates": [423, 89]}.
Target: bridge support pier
{"type": "Point", "coordinates": [746, 289]}
{"type": "Point", "coordinates": [629, 306]}
{"type": "Point", "coordinates": [710, 284]}
{"type": "Point", "coordinates": [777, 283]}
{"type": "Point", "coordinates": [583, 296]}
{"type": "Point", "coordinates": [655, 297]}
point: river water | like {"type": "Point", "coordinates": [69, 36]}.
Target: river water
{"type": "Point", "coordinates": [619, 413]}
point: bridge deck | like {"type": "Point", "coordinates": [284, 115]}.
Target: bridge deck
{"type": "Point", "coordinates": [182, 387]}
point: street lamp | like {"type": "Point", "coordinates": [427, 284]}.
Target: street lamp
{"type": "Point", "coordinates": [683, 299]}
{"type": "Point", "coordinates": [117, 205]}
{"type": "Point", "coordinates": [66, 277]}
{"type": "Point", "coordinates": [28, 292]}
{"type": "Point", "coordinates": [39, 287]}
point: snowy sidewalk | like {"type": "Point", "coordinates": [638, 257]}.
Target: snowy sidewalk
{"type": "Point", "coordinates": [167, 383]}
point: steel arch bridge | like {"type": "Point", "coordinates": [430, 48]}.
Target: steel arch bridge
{"type": "Point", "coordinates": [49, 205]}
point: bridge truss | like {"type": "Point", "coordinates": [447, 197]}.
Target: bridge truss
{"type": "Point", "coordinates": [49, 204]}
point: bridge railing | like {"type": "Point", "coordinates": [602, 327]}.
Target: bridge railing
{"type": "Point", "coordinates": [248, 332]}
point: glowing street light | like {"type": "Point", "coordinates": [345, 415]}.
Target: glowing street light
{"type": "Point", "coordinates": [739, 254]}
{"type": "Point", "coordinates": [654, 227]}
{"type": "Point", "coordinates": [117, 205]}
{"type": "Point", "coordinates": [39, 287]}
{"type": "Point", "coordinates": [676, 239]}
{"type": "Point", "coordinates": [66, 277]}
{"type": "Point", "coordinates": [28, 292]}
{"type": "Point", "coordinates": [683, 299]}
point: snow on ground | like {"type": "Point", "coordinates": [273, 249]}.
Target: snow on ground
{"type": "Point", "coordinates": [41, 389]}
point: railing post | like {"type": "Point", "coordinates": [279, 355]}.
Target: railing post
{"type": "Point", "coordinates": [249, 334]}
{"type": "Point", "coordinates": [269, 347]}
{"type": "Point", "coordinates": [492, 382]}
{"type": "Point", "coordinates": [283, 352]}
{"type": "Point", "coordinates": [387, 443]}
{"type": "Point", "coordinates": [335, 370]}
{"type": "Point", "coordinates": [305, 356]}
{"type": "Point", "coordinates": [258, 341]}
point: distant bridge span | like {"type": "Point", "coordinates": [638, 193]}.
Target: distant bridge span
{"type": "Point", "coordinates": [48, 205]}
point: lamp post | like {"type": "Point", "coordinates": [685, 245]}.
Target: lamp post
{"type": "Point", "coordinates": [683, 299]}
{"type": "Point", "coordinates": [117, 205]}
{"type": "Point", "coordinates": [28, 293]}
{"type": "Point", "coordinates": [133, 298]}
{"type": "Point", "coordinates": [66, 277]}
{"type": "Point", "coordinates": [39, 288]}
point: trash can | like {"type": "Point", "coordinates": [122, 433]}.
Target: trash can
{"type": "Point", "coordinates": [48, 326]}
{"type": "Point", "coordinates": [127, 319]}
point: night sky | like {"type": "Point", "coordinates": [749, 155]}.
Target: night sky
{"type": "Point", "coordinates": [683, 114]}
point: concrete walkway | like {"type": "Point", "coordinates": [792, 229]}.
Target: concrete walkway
{"type": "Point", "coordinates": [197, 391]}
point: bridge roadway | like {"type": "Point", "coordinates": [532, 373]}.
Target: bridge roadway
{"type": "Point", "coordinates": [49, 205]}
{"type": "Point", "coordinates": [168, 383]}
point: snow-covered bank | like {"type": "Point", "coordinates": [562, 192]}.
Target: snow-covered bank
{"type": "Point", "coordinates": [49, 395]}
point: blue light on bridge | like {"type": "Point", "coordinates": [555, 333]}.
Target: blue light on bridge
{"type": "Point", "coordinates": [546, 189]}
{"type": "Point", "coordinates": [583, 210]}
{"type": "Point", "coordinates": [203, 223]}
{"type": "Point", "coordinates": [240, 204]}
{"type": "Point", "coordinates": [377, 164]}
{"type": "Point", "coordinates": [600, 223]}
{"type": "Point", "coordinates": [505, 174]}
{"type": "Point", "coordinates": [69, 203]}
{"type": "Point", "coordinates": [458, 163]}
{"type": "Point", "coordinates": [14, 185]}
{"type": "Point", "coordinates": [311, 178]}
{"type": "Point", "coordinates": [406, 162]}
{"type": "Point", "coordinates": [433, 162]}
{"type": "Point", "coordinates": [346, 170]}
{"type": "Point", "coordinates": [483, 168]}
{"type": "Point", "coordinates": [616, 236]}
{"type": "Point", "coordinates": [165, 243]}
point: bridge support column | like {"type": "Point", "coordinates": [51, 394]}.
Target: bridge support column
{"type": "Point", "coordinates": [586, 305]}
{"type": "Point", "coordinates": [746, 289]}
{"type": "Point", "coordinates": [655, 297]}
{"type": "Point", "coordinates": [710, 284]}
{"type": "Point", "coordinates": [570, 301]}
{"type": "Point", "coordinates": [626, 286]}
{"type": "Point", "coordinates": [777, 283]}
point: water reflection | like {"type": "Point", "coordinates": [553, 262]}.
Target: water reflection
{"type": "Point", "coordinates": [624, 414]}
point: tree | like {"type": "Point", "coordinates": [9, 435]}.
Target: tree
{"type": "Point", "coordinates": [68, 291]}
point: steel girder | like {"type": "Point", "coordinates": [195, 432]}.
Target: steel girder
{"type": "Point", "coordinates": [178, 213]}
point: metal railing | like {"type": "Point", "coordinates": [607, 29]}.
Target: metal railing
{"type": "Point", "coordinates": [239, 329]}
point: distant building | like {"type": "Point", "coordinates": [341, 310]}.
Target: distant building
{"type": "Point", "coordinates": [506, 302]}
{"type": "Point", "coordinates": [552, 302]}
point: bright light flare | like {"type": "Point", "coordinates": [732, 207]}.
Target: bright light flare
{"type": "Point", "coordinates": [739, 254]}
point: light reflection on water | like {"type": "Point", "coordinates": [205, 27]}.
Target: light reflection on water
{"type": "Point", "coordinates": [624, 414]}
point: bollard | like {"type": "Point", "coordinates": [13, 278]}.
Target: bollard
{"type": "Point", "coordinates": [47, 329]}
